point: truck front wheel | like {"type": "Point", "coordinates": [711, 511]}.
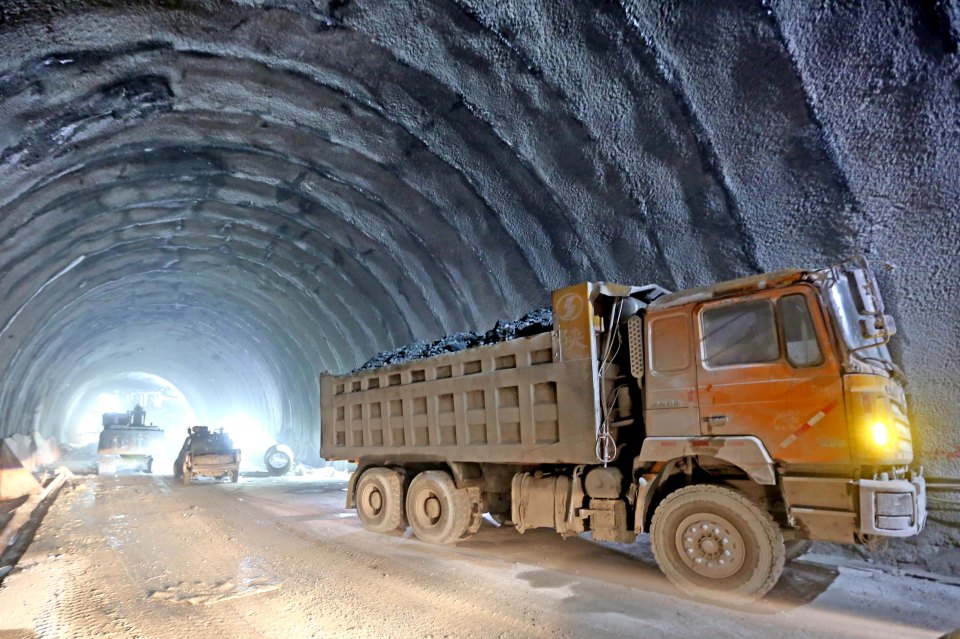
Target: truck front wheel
{"type": "Point", "coordinates": [438, 511]}
{"type": "Point", "coordinates": [713, 542]}
{"type": "Point", "coordinates": [379, 500]}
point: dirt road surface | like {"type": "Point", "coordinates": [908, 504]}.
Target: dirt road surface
{"type": "Point", "coordinates": [143, 556]}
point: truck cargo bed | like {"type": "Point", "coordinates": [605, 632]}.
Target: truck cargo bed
{"type": "Point", "coordinates": [513, 402]}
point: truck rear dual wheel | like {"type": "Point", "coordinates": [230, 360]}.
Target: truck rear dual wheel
{"type": "Point", "coordinates": [713, 542]}
{"type": "Point", "coordinates": [379, 500]}
{"type": "Point", "coordinates": [438, 511]}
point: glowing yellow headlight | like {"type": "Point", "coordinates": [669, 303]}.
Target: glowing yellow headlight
{"type": "Point", "coordinates": [880, 434]}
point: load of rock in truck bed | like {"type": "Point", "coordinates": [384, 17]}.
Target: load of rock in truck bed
{"type": "Point", "coordinates": [534, 322]}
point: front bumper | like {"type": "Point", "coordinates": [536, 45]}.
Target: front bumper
{"type": "Point", "coordinates": [893, 507]}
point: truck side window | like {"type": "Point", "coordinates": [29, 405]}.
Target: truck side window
{"type": "Point", "coordinates": [670, 348]}
{"type": "Point", "coordinates": [798, 332]}
{"type": "Point", "coordinates": [740, 333]}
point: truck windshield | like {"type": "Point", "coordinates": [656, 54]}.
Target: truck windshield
{"type": "Point", "coordinates": [851, 305]}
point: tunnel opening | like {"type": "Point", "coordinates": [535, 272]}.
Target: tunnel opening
{"type": "Point", "coordinates": [166, 405]}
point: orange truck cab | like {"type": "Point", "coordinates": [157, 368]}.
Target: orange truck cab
{"type": "Point", "coordinates": [793, 368]}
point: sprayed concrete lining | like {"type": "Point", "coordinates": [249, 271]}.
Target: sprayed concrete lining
{"type": "Point", "coordinates": [237, 195]}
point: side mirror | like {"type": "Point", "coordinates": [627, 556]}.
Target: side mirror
{"type": "Point", "coordinates": [880, 327]}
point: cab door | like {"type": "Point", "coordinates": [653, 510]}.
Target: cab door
{"type": "Point", "coordinates": [671, 375]}
{"type": "Point", "coordinates": [765, 368]}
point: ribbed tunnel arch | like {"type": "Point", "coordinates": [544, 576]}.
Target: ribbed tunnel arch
{"type": "Point", "coordinates": [234, 196]}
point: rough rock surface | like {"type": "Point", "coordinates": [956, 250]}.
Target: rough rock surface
{"type": "Point", "coordinates": [236, 194]}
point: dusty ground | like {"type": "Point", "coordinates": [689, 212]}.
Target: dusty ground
{"type": "Point", "coordinates": [121, 557]}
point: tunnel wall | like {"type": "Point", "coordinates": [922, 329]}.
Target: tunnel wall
{"type": "Point", "coordinates": [237, 195]}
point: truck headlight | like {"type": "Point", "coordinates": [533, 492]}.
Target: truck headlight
{"type": "Point", "coordinates": [880, 434]}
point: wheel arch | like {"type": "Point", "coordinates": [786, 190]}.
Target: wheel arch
{"type": "Point", "coordinates": [746, 452]}
{"type": "Point", "coordinates": [690, 469]}
{"type": "Point", "coordinates": [653, 488]}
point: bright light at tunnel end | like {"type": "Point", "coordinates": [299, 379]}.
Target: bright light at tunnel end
{"type": "Point", "coordinates": [109, 403]}
{"type": "Point", "coordinates": [248, 434]}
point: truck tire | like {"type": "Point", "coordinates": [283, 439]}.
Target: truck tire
{"type": "Point", "coordinates": [713, 542]}
{"type": "Point", "coordinates": [186, 475]}
{"type": "Point", "coordinates": [438, 511]}
{"type": "Point", "coordinates": [379, 500]}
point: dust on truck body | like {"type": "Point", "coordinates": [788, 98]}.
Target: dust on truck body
{"type": "Point", "coordinates": [725, 421]}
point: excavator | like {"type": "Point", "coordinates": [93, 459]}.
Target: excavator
{"type": "Point", "coordinates": [127, 443]}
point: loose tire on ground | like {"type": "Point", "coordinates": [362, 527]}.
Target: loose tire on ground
{"type": "Point", "coordinates": [379, 500]}
{"type": "Point", "coordinates": [278, 459]}
{"type": "Point", "coordinates": [713, 542]}
{"type": "Point", "coordinates": [438, 512]}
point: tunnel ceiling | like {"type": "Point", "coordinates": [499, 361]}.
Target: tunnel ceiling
{"type": "Point", "coordinates": [237, 195]}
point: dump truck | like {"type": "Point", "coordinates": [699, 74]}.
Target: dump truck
{"type": "Point", "coordinates": [127, 442]}
{"type": "Point", "coordinates": [207, 453]}
{"type": "Point", "coordinates": [729, 422]}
